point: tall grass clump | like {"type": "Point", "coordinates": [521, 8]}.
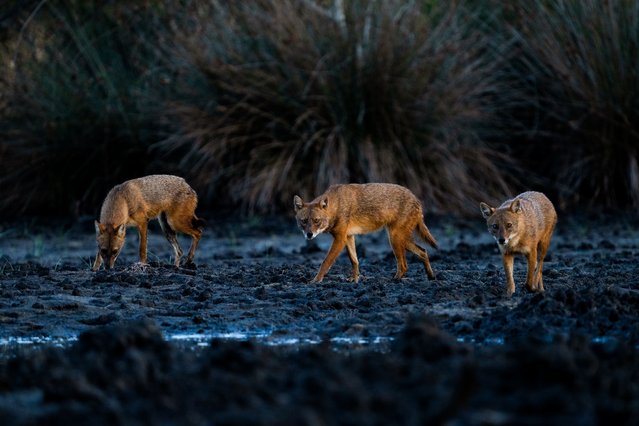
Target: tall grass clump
{"type": "Point", "coordinates": [77, 115]}
{"type": "Point", "coordinates": [284, 97]}
{"type": "Point", "coordinates": [579, 64]}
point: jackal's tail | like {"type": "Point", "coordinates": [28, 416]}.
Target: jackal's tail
{"type": "Point", "coordinates": [198, 223]}
{"type": "Point", "coordinates": [425, 234]}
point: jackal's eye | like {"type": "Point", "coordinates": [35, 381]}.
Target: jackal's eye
{"type": "Point", "coordinates": [495, 226]}
{"type": "Point", "coordinates": [303, 221]}
{"type": "Point", "coordinates": [509, 226]}
{"type": "Point", "coordinates": [316, 221]}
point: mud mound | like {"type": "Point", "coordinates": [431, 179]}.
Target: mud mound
{"type": "Point", "coordinates": [127, 373]}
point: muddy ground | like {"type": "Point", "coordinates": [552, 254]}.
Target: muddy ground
{"type": "Point", "coordinates": [244, 339]}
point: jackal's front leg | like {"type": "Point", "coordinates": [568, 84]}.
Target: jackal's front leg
{"type": "Point", "coordinates": [97, 263]}
{"type": "Point", "coordinates": [142, 228]}
{"type": "Point", "coordinates": [532, 266]}
{"type": "Point", "coordinates": [508, 260]}
{"type": "Point", "coordinates": [352, 255]}
{"type": "Point", "coordinates": [333, 252]}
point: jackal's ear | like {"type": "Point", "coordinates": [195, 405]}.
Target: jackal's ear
{"type": "Point", "coordinates": [119, 230]}
{"type": "Point", "coordinates": [324, 202]}
{"type": "Point", "coordinates": [298, 203]}
{"type": "Point", "coordinates": [98, 227]}
{"type": "Point", "coordinates": [515, 206]}
{"type": "Point", "coordinates": [486, 210]}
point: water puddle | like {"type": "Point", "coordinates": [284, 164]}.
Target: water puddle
{"type": "Point", "coordinates": [499, 341]}
{"type": "Point", "coordinates": [37, 340]}
{"type": "Point", "coordinates": [269, 339]}
{"type": "Point", "coordinates": [608, 341]}
{"type": "Point", "coordinates": [203, 340]}
{"type": "Point", "coordinates": [489, 341]}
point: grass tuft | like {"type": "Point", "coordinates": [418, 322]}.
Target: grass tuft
{"type": "Point", "coordinates": [287, 97]}
{"type": "Point", "coordinates": [579, 62]}
{"type": "Point", "coordinates": [253, 102]}
{"type": "Point", "coordinates": [77, 115]}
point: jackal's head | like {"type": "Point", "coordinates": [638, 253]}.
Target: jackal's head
{"type": "Point", "coordinates": [110, 241]}
{"type": "Point", "coordinates": [503, 223]}
{"type": "Point", "coordinates": [312, 218]}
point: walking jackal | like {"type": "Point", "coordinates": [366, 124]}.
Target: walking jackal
{"type": "Point", "coordinates": [522, 225]}
{"type": "Point", "coordinates": [351, 209]}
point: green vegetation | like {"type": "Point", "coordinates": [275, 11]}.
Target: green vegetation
{"type": "Point", "coordinates": [253, 102]}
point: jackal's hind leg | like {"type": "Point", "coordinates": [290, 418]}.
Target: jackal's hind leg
{"type": "Point", "coordinates": [398, 244]}
{"type": "Point", "coordinates": [171, 236]}
{"type": "Point", "coordinates": [423, 255]}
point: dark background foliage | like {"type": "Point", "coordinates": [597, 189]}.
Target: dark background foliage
{"type": "Point", "coordinates": [253, 102]}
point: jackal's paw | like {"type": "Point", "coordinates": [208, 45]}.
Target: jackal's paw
{"type": "Point", "coordinates": [352, 279]}
{"type": "Point", "coordinates": [188, 264]}
{"type": "Point", "coordinates": [316, 280]}
{"type": "Point", "coordinates": [538, 287]}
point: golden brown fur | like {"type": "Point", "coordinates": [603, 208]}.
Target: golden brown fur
{"type": "Point", "coordinates": [347, 210]}
{"type": "Point", "coordinates": [137, 201]}
{"type": "Point", "coordinates": [522, 225]}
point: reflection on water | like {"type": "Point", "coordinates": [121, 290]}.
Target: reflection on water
{"type": "Point", "coordinates": [38, 340]}
{"type": "Point", "coordinates": [203, 339]}
{"type": "Point", "coordinates": [267, 338]}
{"type": "Point", "coordinates": [499, 341]}
{"type": "Point", "coordinates": [487, 341]}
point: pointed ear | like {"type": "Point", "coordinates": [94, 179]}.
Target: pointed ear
{"type": "Point", "coordinates": [298, 203]}
{"type": "Point", "coordinates": [98, 227]}
{"type": "Point", "coordinates": [324, 202]}
{"type": "Point", "coordinates": [486, 210]}
{"type": "Point", "coordinates": [119, 230]}
{"type": "Point", "coordinates": [515, 206]}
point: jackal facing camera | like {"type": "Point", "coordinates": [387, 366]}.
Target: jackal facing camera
{"type": "Point", "coordinates": [522, 225]}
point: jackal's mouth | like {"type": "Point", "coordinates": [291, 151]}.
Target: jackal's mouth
{"type": "Point", "coordinates": [310, 235]}
{"type": "Point", "coordinates": [506, 242]}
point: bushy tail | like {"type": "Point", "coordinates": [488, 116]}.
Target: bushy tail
{"type": "Point", "coordinates": [198, 223]}
{"type": "Point", "coordinates": [426, 235]}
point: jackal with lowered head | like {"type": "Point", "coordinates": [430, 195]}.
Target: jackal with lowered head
{"type": "Point", "coordinates": [137, 201]}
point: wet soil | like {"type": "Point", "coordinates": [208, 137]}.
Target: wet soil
{"type": "Point", "coordinates": [278, 350]}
